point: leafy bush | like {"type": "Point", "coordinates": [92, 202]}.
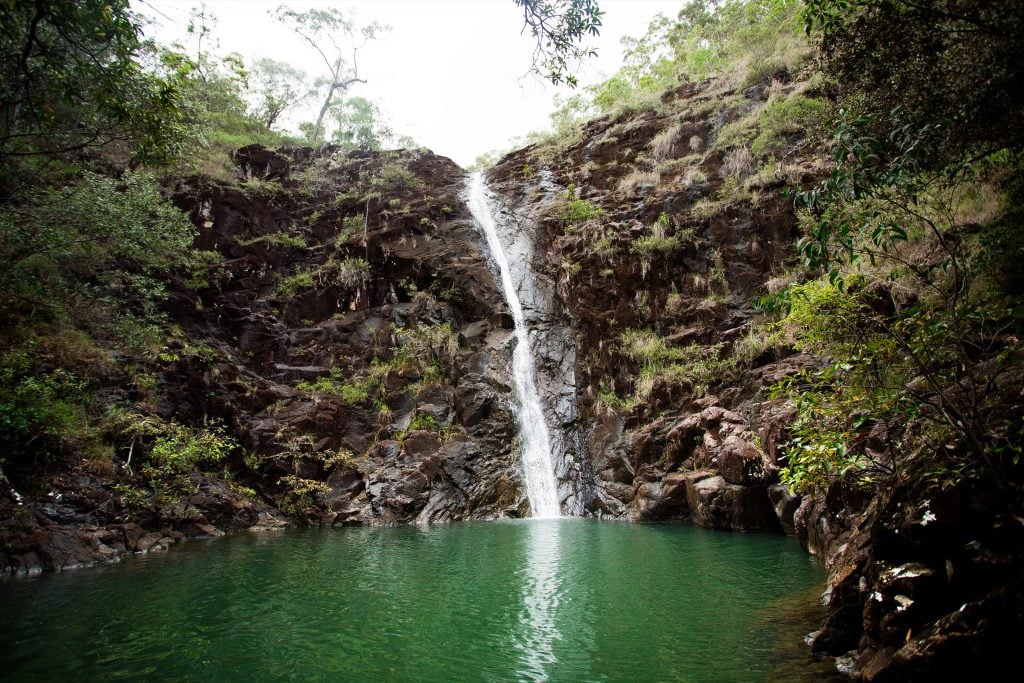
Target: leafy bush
{"type": "Point", "coordinates": [38, 408]}
{"type": "Point", "coordinates": [300, 494]}
{"type": "Point", "coordinates": [578, 211]}
{"type": "Point", "coordinates": [817, 454]}
{"type": "Point", "coordinates": [352, 225]}
{"type": "Point", "coordinates": [423, 422]}
{"type": "Point", "coordinates": [353, 390]}
{"type": "Point", "coordinates": [275, 239]}
{"type": "Point", "coordinates": [102, 240]}
{"type": "Point", "coordinates": [394, 177]}
{"type": "Point", "coordinates": [172, 452]}
{"type": "Point", "coordinates": [180, 449]}
{"type": "Point", "coordinates": [650, 245]}
{"type": "Point", "coordinates": [347, 273]}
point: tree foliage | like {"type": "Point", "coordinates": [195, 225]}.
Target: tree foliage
{"type": "Point", "coordinates": [98, 245]}
{"type": "Point", "coordinates": [918, 314]}
{"type": "Point", "coordinates": [277, 87]}
{"type": "Point", "coordinates": [559, 28]}
{"type": "Point", "coordinates": [953, 66]}
{"type": "Point", "coordinates": [359, 124]}
{"type": "Point", "coordinates": [753, 38]}
{"type": "Point", "coordinates": [72, 80]}
{"type": "Point", "coordinates": [337, 39]}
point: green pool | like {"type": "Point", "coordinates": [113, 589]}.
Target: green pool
{"type": "Point", "coordinates": [559, 600]}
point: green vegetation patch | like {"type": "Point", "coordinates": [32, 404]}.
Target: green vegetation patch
{"type": "Point", "coordinates": [783, 117]}
{"type": "Point", "coordinates": [696, 365]}
{"type": "Point", "coordinates": [347, 273]}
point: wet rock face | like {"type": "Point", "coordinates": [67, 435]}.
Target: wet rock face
{"type": "Point", "coordinates": [519, 212]}
{"type": "Point", "coordinates": [645, 260]}
{"type": "Point", "coordinates": [922, 589]}
{"type": "Point", "coordinates": [362, 349]}
{"type": "Point", "coordinates": [717, 504]}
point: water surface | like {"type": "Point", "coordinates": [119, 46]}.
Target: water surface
{"type": "Point", "coordinates": [560, 600]}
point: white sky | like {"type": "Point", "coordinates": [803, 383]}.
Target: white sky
{"type": "Point", "coordinates": [451, 73]}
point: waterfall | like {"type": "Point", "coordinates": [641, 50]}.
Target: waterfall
{"type": "Point", "coordinates": [538, 471]}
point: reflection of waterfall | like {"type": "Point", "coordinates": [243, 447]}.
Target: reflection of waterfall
{"type": "Point", "coordinates": [538, 628]}
{"type": "Point", "coordinates": [538, 472]}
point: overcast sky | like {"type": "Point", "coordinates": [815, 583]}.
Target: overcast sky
{"type": "Point", "coordinates": [451, 73]}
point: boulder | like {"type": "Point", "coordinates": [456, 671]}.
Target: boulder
{"type": "Point", "coordinates": [420, 444]}
{"type": "Point", "coordinates": [59, 548]}
{"type": "Point", "coordinates": [739, 462]}
{"type": "Point", "coordinates": [669, 500]}
{"type": "Point", "coordinates": [256, 161]}
{"type": "Point", "coordinates": [716, 504]}
{"type": "Point", "coordinates": [473, 402]}
{"type": "Point", "coordinates": [785, 504]}
{"type": "Point", "coordinates": [682, 440]}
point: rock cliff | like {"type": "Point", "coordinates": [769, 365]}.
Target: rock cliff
{"type": "Point", "coordinates": [349, 336]}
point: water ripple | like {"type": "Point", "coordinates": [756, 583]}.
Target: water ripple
{"type": "Point", "coordinates": [529, 600]}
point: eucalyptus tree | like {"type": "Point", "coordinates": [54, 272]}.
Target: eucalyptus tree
{"type": "Point", "coordinates": [559, 28]}
{"type": "Point", "coordinates": [337, 38]}
{"type": "Point", "coordinates": [277, 87]}
{"type": "Point", "coordinates": [360, 124]}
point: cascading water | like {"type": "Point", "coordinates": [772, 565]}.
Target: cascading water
{"type": "Point", "coordinates": [538, 471]}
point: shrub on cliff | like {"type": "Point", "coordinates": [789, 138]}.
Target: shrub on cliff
{"type": "Point", "coordinates": [918, 313]}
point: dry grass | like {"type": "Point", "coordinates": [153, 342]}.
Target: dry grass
{"type": "Point", "coordinates": [693, 176]}
{"type": "Point", "coordinates": [739, 133]}
{"type": "Point", "coordinates": [664, 142]}
{"type": "Point", "coordinates": [768, 174]}
{"type": "Point", "coordinates": [785, 279]}
{"type": "Point", "coordinates": [977, 203]}
{"type": "Point", "coordinates": [707, 208]}
{"type": "Point", "coordinates": [739, 161]}
{"type": "Point", "coordinates": [638, 178]}
{"type": "Point", "coordinates": [674, 167]}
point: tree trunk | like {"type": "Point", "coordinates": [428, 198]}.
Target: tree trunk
{"type": "Point", "coordinates": [318, 128]}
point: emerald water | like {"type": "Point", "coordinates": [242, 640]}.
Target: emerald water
{"type": "Point", "coordinates": [559, 600]}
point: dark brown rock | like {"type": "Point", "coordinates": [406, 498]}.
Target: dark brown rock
{"type": "Point", "coordinates": [669, 501]}
{"type": "Point", "coordinates": [61, 548]}
{"type": "Point", "coordinates": [716, 504]}
{"type": "Point", "coordinates": [739, 462]}
{"type": "Point", "coordinates": [256, 161]}
{"type": "Point", "coordinates": [785, 504]}
{"type": "Point", "coordinates": [421, 444]}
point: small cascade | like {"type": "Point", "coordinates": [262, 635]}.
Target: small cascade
{"type": "Point", "coordinates": [538, 471]}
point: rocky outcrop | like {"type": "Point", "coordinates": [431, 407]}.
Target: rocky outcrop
{"type": "Point", "coordinates": [363, 347]}
{"type": "Point", "coordinates": [614, 255]}
{"type": "Point", "coordinates": [717, 504]}
{"type": "Point", "coordinates": [86, 523]}
{"type": "Point", "coordinates": [348, 335]}
{"type": "Point", "coordinates": [919, 589]}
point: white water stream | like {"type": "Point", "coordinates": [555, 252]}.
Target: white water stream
{"type": "Point", "coordinates": [538, 471]}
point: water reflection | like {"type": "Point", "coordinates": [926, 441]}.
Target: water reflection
{"type": "Point", "coordinates": [537, 631]}
{"type": "Point", "coordinates": [560, 600]}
